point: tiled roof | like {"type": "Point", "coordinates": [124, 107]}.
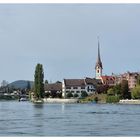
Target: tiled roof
{"type": "Point", "coordinates": [91, 81]}
{"type": "Point", "coordinates": [109, 80]}
{"type": "Point", "coordinates": [74, 82]}
{"type": "Point", "coordinates": [54, 86]}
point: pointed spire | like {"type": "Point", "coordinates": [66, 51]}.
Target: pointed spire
{"type": "Point", "coordinates": [99, 63]}
{"type": "Point", "coordinates": [99, 59]}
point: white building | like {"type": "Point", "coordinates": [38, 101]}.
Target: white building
{"type": "Point", "coordinates": [77, 86]}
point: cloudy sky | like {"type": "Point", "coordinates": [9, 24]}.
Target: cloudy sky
{"type": "Point", "coordinates": [63, 37]}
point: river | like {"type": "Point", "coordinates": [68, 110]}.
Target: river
{"type": "Point", "coordinates": [28, 119]}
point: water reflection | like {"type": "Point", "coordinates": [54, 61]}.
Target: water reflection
{"type": "Point", "coordinates": [38, 105]}
{"type": "Point", "coordinates": [63, 108]}
{"type": "Point", "coordinates": [38, 119]}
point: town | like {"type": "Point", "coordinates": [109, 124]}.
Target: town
{"type": "Point", "coordinates": [101, 88]}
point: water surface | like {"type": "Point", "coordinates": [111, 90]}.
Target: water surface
{"type": "Point", "coordinates": [27, 119]}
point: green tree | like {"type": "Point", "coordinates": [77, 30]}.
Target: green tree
{"type": "Point", "coordinates": [75, 95]}
{"type": "Point", "coordinates": [138, 80]}
{"type": "Point", "coordinates": [96, 99]}
{"type": "Point", "coordinates": [136, 92]}
{"type": "Point", "coordinates": [110, 91]}
{"type": "Point", "coordinates": [46, 82]}
{"type": "Point", "coordinates": [113, 94]}
{"type": "Point", "coordinates": [84, 94]}
{"type": "Point", "coordinates": [117, 89]}
{"type": "Point", "coordinates": [112, 99]}
{"type": "Point", "coordinates": [39, 81]}
{"type": "Point", "coordinates": [125, 90]}
{"type": "Point", "coordinates": [69, 95]}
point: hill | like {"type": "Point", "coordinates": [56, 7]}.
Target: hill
{"type": "Point", "coordinates": [21, 84]}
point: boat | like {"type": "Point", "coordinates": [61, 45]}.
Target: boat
{"type": "Point", "coordinates": [23, 99]}
{"type": "Point", "coordinates": [38, 101]}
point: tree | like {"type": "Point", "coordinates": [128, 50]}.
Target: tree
{"type": "Point", "coordinates": [125, 90]}
{"type": "Point", "coordinates": [75, 95]}
{"type": "Point", "coordinates": [136, 92]}
{"type": "Point", "coordinates": [84, 94]}
{"type": "Point", "coordinates": [59, 94]}
{"type": "Point", "coordinates": [96, 99]}
{"type": "Point", "coordinates": [69, 95]}
{"type": "Point", "coordinates": [39, 81]}
{"type": "Point", "coordinates": [113, 94]}
{"type": "Point", "coordinates": [110, 91]}
{"type": "Point", "coordinates": [117, 89]}
{"type": "Point", "coordinates": [138, 80]}
{"type": "Point", "coordinates": [112, 99]}
{"type": "Point", "coordinates": [46, 82]}
{"type": "Point", "coordinates": [102, 89]}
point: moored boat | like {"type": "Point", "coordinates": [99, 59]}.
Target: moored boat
{"type": "Point", "coordinates": [23, 99]}
{"type": "Point", "coordinates": [38, 101]}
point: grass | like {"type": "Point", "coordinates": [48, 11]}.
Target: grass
{"type": "Point", "coordinates": [8, 97]}
{"type": "Point", "coordinates": [91, 98]}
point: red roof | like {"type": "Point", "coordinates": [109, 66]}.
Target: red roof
{"type": "Point", "coordinates": [108, 79]}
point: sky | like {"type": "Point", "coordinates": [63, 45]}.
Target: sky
{"type": "Point", "coordinates": [63, 37]}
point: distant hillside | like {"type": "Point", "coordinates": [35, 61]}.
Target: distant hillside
{"type": "Point", "coordinates": [20, 84]}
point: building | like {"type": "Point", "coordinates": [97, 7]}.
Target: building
{"type": "Point", "coordinates": [98, 66]}
{"type": "Point", "coordinates": [131, 77]}
{"type": "Point", "coordinates": [108, 80]}
{"type": "Point", "coordinates": [53, 89]}
{"type": "Point", "coordinates": [77, 86]}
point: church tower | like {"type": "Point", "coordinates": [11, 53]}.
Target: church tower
{"type": "Point", "coordinates": [98, 66]}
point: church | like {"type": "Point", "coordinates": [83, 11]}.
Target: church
{"type": "Point", "coordinates": [88, 85]}
{"type": "Point", "coordinates": [106, 80]}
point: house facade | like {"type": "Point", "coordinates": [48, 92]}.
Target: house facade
{"type": "Point", "coordinates": [77, 86]}
{"type": "Point", "coordinates": [131, 77]}
{"type": "Point", "coordinates": [108, 80]}
{"type": "Point", "coordinates": [53, 89]}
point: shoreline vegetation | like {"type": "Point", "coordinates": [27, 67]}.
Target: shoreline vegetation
{"type": "Point", "coordinates": [95, 98]}
{"type": "Point", "coordinates": [119, 93]}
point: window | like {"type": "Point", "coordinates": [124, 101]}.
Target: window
{"type": "Point", "coordinates": [88, 88]}
{"type": "Point", "coordinates": [68, 87]}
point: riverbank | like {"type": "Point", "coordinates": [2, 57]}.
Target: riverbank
{"type": "Point", "coordinates": [99, 98]}
{"type": "Point", "coordinates": [129, 101]}
{"type": "Point", "coordinates": [9, 97]}
{"type": "Point", "coordinates": [57, 100]}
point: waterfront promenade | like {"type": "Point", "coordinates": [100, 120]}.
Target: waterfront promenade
{"type": "Point", "coordinates": [129, 102]}
{"type": "Point", "coordinates": [57, 100]}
